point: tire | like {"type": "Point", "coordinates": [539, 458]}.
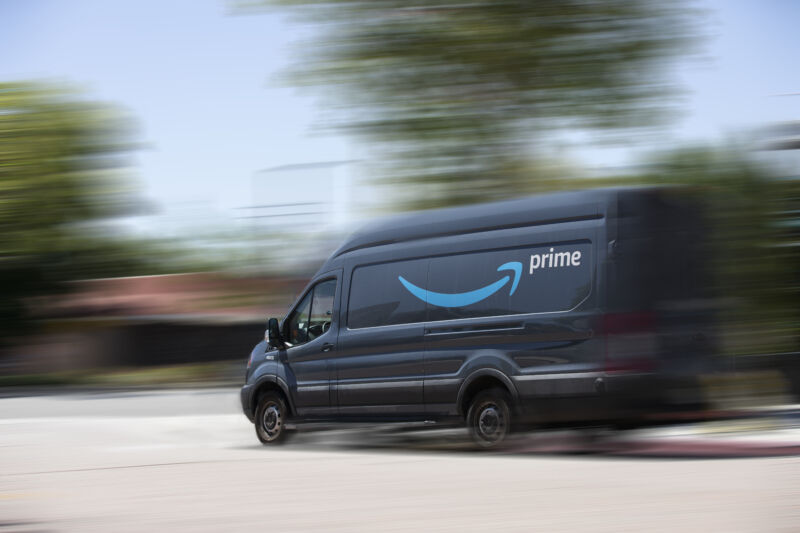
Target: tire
{"type": "Point", "coordinates": [270, 419]}
{"type": "Point", "coordinates": [489, 418]}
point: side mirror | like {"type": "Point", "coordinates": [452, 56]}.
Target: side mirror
{"type": "Point", "coordinates": [274, 338]}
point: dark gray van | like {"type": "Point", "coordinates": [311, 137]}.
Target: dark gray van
{"type": "Point", "coordinates": [578, 307]}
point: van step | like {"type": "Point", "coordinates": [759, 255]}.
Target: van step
{"type": "Point", "coordinates": [374, 426]}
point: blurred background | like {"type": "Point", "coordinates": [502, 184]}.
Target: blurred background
{"type": "Point", "coordinates": [172, 174]}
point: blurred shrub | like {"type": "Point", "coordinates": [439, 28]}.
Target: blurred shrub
{"type": "Point", "coordinates": [60, 171]}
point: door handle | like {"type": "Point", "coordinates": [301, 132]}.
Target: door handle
{"type": "Point", "coordinates": [327, 347]}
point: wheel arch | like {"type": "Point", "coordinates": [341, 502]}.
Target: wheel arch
{"type": "Point", "coordinates": [267, 384]}
{"type": "Point", "coordinates": [483, 379]}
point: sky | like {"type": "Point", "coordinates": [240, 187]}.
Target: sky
{"type": "Point", "coordinates": [202, 84]}
{"type": "Point", "coordinates": [747, 74]}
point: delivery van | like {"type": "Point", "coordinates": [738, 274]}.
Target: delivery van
{"type": "Point", "coordinates": [569, 308]}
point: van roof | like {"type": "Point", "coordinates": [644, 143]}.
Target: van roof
{"type": "Point", "coordinates": [530, 211]}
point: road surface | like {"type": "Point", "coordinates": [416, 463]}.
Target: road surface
{"type": "Point", "coordinates": [189, 461]}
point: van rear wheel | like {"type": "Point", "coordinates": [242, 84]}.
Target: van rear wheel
{"type": "Point", "coordinates": [270, 419]}
{"type": "Point", "coordinates": [489, 417]}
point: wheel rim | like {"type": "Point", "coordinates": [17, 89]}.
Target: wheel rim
{"type": "Point", "coordinates": [272, 421]}
{"type": "Point", "coordinates": [491, 422]}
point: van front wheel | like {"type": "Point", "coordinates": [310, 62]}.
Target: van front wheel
{"type": "Point", "coordinates": [270, 418]}
{"type": "Point", "coordinates": [489, 417]}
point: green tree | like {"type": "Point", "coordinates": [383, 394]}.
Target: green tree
{"type": "Point", "coordinates": [62, 163]}
{"type": "Point", "coordinates": [458, 97]}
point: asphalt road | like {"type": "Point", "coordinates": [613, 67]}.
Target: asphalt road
{"type": "Point", "coordinates": [189, 461]}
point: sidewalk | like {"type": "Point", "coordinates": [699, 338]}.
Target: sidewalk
{"type": "Point", "coordinates": [758, 432]}
{"type": "Point", "coordinates": [762, 431]}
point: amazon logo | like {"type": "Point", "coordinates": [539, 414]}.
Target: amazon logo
{"type": "Point", "coordinates": [462, 299]}
{"type": "Point", "coordinates": [548, 259]}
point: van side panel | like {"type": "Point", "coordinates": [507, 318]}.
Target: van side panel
{"type": "Point", "coordinates": [544, 357]}
{"type": "Point", "coordinates": [548, 347]}
{"type": "Point", "coordinates": [380, 371]}
{"type": "Point", "coordinates": [380, 358]}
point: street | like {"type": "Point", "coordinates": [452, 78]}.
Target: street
{"type": "Point", "coordinates": [188, 460]}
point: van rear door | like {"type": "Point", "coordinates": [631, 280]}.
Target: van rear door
{"type": "Point", "coordinates": [661, 315]}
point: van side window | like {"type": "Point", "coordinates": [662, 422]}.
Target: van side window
{"type": "Point", "coordinates": [377, 298]}
{"type": "Point", "coordinates": [540, 278]}
{"type": "Point", "coordinates": [321, 308]}
{"type": "Point", "coordinates": [551, 278]}
{"type": "Point", "coordinates": [312, 317]}
{"type": "Point", "coordinates": [297, 325]}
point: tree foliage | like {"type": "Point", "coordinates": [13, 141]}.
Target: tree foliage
{"type": "Point", "coordinates": [458, 96]}
{"type": "Point", "coordinates": [62, 164]}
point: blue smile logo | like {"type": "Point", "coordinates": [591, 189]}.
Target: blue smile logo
{"type": "Point", "coordinates": [466, 298]}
